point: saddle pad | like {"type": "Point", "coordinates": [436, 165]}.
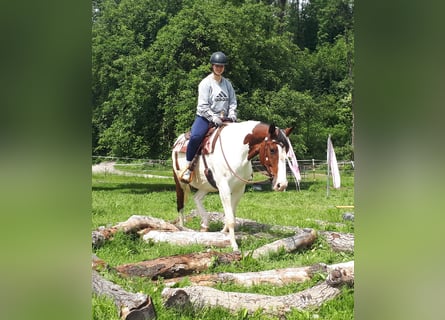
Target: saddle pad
{"type": "Point", "coordinates": [181, 145]}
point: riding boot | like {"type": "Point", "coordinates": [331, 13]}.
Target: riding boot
{"type": "Point", "coordinates": [186, 176]}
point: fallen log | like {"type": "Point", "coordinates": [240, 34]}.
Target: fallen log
{"type": "Point", "coordinates": [183, 238]}
{"type": "Point", "coordinates": [200, 296]}
{"type": "Point", "coordinates": [130, 305]}
{"type": "Point", "coordinates": [277, 277]}
{"type": "Point", "coordinates": [98, 264]}
{"type": "Point", "coordinates": [252, 225]}
{"type": "Point", "coordinates": [221, 240]}
{"type": "Point", "coordinates": [302, 240]}
{"type": "Point", "coordinates": [339, 241]}
{"type": "Point", "coordinates": [341, 274]}
{"type": "Point", "coordinates": [133, 224]}
{"type": "Point", "coordinates": [176, 266]}
{"type": "Point", "coordinates": [181, 265]}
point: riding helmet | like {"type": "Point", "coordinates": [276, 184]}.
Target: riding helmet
{"type": "Point", "coordinates": [218, 58]}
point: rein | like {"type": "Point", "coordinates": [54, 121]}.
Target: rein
{"type": "Point", "coordinates": [233, 172]}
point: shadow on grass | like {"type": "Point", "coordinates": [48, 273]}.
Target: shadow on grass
{"type": "Point", "coordinates": [291, 186]}
{"type": "Point", "coordinates": [149, 187]}
{"type": "Point", "coordinates": [137, 188]}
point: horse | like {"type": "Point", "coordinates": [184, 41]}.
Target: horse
{"type": "Point", "coordinates": [225, 166]}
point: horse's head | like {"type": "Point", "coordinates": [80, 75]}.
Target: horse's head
{"type": "Point", "coordinates": [271, 144]}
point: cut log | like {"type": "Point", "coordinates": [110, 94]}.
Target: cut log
{"type": "Point", "coordinates": [177, 266]}
{"type": "Point", "coordinates": [130, 306]}
{"type": "Point", "coordinates": [200, 297]}
{"type": "Point", "coordinates": [183, 238]}
{"type": "Point", "coordinates": [252, 225]}
{"type": "Point", "coordinates": [341, 274]}
{"type": "Point", "coordinates": [221, 240]}
{"type": "Point", "coordinates": [98, 264]}
{"type": "Point", "coordinates": [278, 277]}
{"type": "Point", "coordinates": [339, 241]}
{"type": "Point", "coordinates": [302, 240]}
{"type": "Point", "coordinates": [133, 224]}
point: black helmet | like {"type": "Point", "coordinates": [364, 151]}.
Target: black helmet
{"type": "Point", "coordinates": [218, 58]}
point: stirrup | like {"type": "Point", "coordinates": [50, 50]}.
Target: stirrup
{"type": "Point", "coordinates": [186, 176]}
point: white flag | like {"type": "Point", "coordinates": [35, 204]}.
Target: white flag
{"type": "Point", "coordinates": [332, 163]}
{"type": "Point", "coordinates": [293, 163]}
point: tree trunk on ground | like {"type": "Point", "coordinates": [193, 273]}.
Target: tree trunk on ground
{"type": "Point", "coordinates": [339, 241]}
{"type": "Point", "coordinates": [177, 266]}
{"type": "Point", "coordinates": [217, 239]}
{"type": "Point", "coordinates": [131, 306]}
{"type": "Point", "coordinates": [302, 240]}
{"type": "Point", "coordinates": [278, 277]}
{"type": "Point", "coordinates": [133, 224]}
{"type": "Point", "coordinates": [98, 264]}
{"type": "Point", "coordinates": [184, 238]}
{"type": "Point", "coordinates": [182, 265]}
{"type": "Point", "coordinates": [199, 296]}
{"type": "Point", "coordinates": [249, 224]}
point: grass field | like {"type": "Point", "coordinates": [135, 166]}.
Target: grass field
{"type": "Point", "coordinates": [116, 197]}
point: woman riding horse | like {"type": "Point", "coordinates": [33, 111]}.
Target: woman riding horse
{"type": "Point", "coordinates": [216, 102]}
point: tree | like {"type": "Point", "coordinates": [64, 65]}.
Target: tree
{"type": "Point", "coordinates": [290, 64]}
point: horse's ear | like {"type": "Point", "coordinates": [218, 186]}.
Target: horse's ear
{"type": "Point", "coordinates": [272, 129]}
{"type": "Point", "coordinates": [247, 139]}
{"type": "Point", "coordinates": [288, 131]}
{"type": "Point", "coordinates": [255, 150]}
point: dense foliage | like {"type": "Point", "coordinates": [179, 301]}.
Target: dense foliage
{"type": "Point", "coordinates": [291, 63]}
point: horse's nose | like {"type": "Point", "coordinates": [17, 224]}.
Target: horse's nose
{"type": "Point", "coordinates": [280, 186]}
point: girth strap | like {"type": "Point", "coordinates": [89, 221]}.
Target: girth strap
{"type": "Point", "coordinates": [208, 173]}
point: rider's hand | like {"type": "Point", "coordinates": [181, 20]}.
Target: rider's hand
{"type": "Point", "coordinates": [232, 118]}
{"type": "Point", "coordinates": [217, 121]}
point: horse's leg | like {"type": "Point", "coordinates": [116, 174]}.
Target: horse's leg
{"type": "Point", "coordinates": [237, 194]}
{"type": "Point", "coordinates": [180, 199]}
{"type": "Point", "coordinates": [226, 194]}
{"type": "Point", "coordinates": [199, 196]}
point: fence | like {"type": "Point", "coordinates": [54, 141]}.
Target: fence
{"type": "Point", "coordinates": [308, 168]}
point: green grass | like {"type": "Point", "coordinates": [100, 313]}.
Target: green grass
{"type": "Point", "coordinates": [115, 198]}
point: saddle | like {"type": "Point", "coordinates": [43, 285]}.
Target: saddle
{"type": "Point", "coordinates": [207, 145]}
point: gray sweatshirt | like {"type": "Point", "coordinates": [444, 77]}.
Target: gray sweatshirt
{"type": "Point", "coordinates": [216, 99]}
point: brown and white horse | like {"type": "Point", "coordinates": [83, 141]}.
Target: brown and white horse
{"type": "Point", "coordinates": [231, 167]}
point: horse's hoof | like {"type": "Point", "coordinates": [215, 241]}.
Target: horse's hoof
{"type": "Point", "coordinates": [204, 229]}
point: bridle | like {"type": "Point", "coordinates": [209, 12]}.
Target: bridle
{"type": "Point", "coordinates": [262, 151]}
{"type": "Point", "coordinates": [264, 159]}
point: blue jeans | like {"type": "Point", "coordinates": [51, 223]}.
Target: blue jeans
{"type": "Point", "coordinates": [199, 129]}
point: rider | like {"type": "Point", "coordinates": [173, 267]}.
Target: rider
{"type": "Point", "coordinates": [216, 102]}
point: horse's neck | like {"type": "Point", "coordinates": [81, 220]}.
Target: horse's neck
{"type": "Point", "coordinates": [233, 136]}
{"type": "Point", "coordinates": [240, 131]}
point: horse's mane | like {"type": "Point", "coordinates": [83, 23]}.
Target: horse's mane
{"type": "Point", "coordinates": [283, 139]}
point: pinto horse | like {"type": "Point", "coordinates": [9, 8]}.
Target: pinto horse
{"type": "Point", "coordinates": [229, 161]}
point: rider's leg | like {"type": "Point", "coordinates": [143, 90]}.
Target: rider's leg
{"type": "Point", "coordinates": [198, 131]}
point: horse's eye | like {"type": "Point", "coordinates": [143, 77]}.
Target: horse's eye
{"type": "Point", "coordinates": [272, 151]}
